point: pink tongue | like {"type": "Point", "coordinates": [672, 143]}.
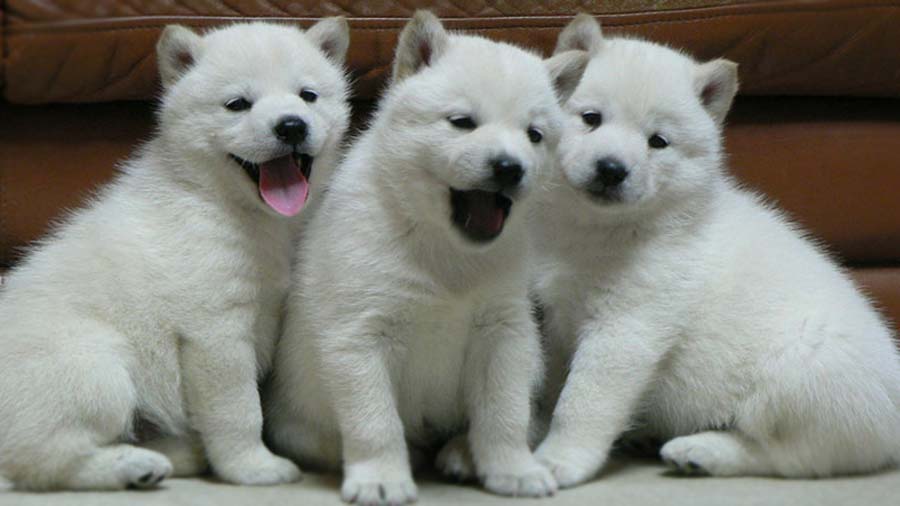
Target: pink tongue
{"type": "Point", "coordinates": [283, 186]}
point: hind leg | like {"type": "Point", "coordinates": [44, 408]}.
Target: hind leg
{"type": "Point", "coordinates": [716, 453]}
{"type": "Point", "coordinates": [117, 467]}
{"type": "Point", "coordinates": [185, 453]}
{"type": "Point", "coordinates": [68, 400]}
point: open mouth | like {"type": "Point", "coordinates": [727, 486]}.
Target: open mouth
{"type": "Point", "coordinates": [283, 182]}
{"type": "Point", "coordinates": [478, 214]}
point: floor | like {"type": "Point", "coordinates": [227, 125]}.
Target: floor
{"type": "Point", "coordinates": [625, 483]}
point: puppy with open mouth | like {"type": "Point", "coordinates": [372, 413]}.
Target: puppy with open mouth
{"type": "Point", "coordinates": [158, 304]}
{"type": "Point", "coordinates": [409, 324]}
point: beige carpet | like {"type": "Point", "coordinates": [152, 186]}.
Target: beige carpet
{"type": "Point", "coordinates": [631, 483]}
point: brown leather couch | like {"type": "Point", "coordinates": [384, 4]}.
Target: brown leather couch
{"type": "Point", "coordinates": [817, 127]}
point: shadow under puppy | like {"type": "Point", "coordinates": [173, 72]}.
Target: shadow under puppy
{"type": "Point", "coordinates": [160, 300]}
{"type": "Point", "coordinates": [409, 321]}
{"type": "Point", "coordinates": [680, 305]}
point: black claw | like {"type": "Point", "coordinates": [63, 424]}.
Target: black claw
{"type": "Point", "coordinates": [145, 478]}
{"type": "Point", "coordinates": [381, 493]}
{"type": "Point", "coordinates": [693, 466]}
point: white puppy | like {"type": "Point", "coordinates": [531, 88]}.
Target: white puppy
{"type": "Point", "coordinates": [410, 319]}
{"type": "Point", "coordinates": [680, 303]}
{"type": "Point", "coordinates": [157, 305]}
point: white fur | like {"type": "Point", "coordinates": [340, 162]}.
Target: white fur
{"type": "Point", "coordinates": [690, 309]}
{"type": "Point", "coordinates": [159, 301]}
{"type": "Point", "coordinates": [399, 331]}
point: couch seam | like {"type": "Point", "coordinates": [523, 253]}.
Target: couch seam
{"type": "Point", "coordinates": [4, 46]}
{"type": "Point", "coordinates": [608, 20]}
{"type": "Point", "coordinates": [4, 54]}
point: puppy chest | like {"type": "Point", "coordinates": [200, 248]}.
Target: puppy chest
{"type": "Point", "coordinates": [431, 373]}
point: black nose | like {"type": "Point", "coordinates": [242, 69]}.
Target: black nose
{"type": "Point", "coordinates": [291, 129]}
{"type": "Point", "coordinates": [508, 171]}
{"type": "Point", "coordinates": [611, 172]}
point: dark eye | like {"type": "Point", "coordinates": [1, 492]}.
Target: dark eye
{"type": "Point", "coordinates": [238, 104]}
{"type": "Point", "coordinates": [463, 122]}
{"type": "Point", "coordinates": [309, 95]}
{"type": "Point", "coordinates": [592, 119]}
{"type": "Point", "coordinates": [535, 135]}
{"type": "Point", "coordinates": [657, 141]}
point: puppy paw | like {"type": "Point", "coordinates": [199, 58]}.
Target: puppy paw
{"type": "Point", "coordinates": [372, 485]}
{"type": "Point", "coordinates": [144, 468]}
{"type": "Point", "coordinates": [455, 460]}
{"type": "Point", "coordinates": [532, 480]}
{"type": "Point", "coordinates": [515, 473]}
{"type": "Point", "coordinates": [258, 467]}
{"type": "Point", "coordinates": [570, 466]}
{"type": "Point", "coordinates": [710, 453]}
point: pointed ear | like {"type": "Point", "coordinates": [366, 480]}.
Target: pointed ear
{"type": "Point", "coordinates": [176, 51]}
{"type": "Point", "coordinates": [421, 42]}
{"type": "Point", "coordinates": [716, 83]}
{"type": "Point", "coordinates": [582, 33]}
{"type": "Point", "coordinates": [566, 70]}
{"type": "Point", "coordinates": [332, 35]}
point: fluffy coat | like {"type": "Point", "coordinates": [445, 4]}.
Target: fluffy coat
{"type": "Point", "coordinates": [158, 304]}
{"type": "Point", "coordinates": [402, 330]}
{"type": "Point", "coordinates": [686, 308]}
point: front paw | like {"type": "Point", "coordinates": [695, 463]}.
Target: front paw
{"type": "Point", "coordinates": [526, 478]}
{"type": "Point", "coordinates": [569, 465]}
{"type": "Point", "coordinates": [369, 484]}
{"type": "Point", "coordinates": [258, 467]}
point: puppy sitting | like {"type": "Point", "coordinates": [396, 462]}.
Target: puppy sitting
{"type": "Point", "coordinates": [410, 319]}
{"type": "Point", "coordinates": [159, 302]}
{"type": "Point", "coordinates": [678, 302]}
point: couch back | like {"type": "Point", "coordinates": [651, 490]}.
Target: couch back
{"type": "Point", "coordinates": [76, 51]}
{"type": "Point", "coordinates": [816, 126]}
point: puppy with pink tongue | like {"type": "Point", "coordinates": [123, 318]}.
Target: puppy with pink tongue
{"type": "Point", "coordinates": [158, 303]}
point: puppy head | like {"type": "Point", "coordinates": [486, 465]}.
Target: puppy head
{"type": "Point", "coordinates": [474, 124]}
{"type": "Point", "coordinates": [252, 107]}
{"type": "Point", "coordinates": [644, 124]}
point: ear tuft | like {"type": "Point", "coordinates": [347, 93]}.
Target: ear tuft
{"type": "Point", "coordinates": [176, 52]}
{"type": "Point", "coordinates": [581, 34]}
{"type": "Point", "coordinates": [421, 42]}
{"type": "Point", "coordinates": [332, 35]}
{"type": "Point", "coordinates": [566, 70]}
{"type": "Point", "coordinates": [716, 83]}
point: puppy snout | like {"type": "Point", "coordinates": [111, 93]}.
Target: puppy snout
{"type": "Point", "coordinates": [507, 172]}
{"type": "Point", "coordinates": [610, 172]}
{"type": "Point", "coordinates": [291, 129]}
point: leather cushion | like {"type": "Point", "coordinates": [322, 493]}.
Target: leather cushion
{"type": "Point", "coordinates": [74, 51]}
{"type": "Point", "coordinates": [831, 164]}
